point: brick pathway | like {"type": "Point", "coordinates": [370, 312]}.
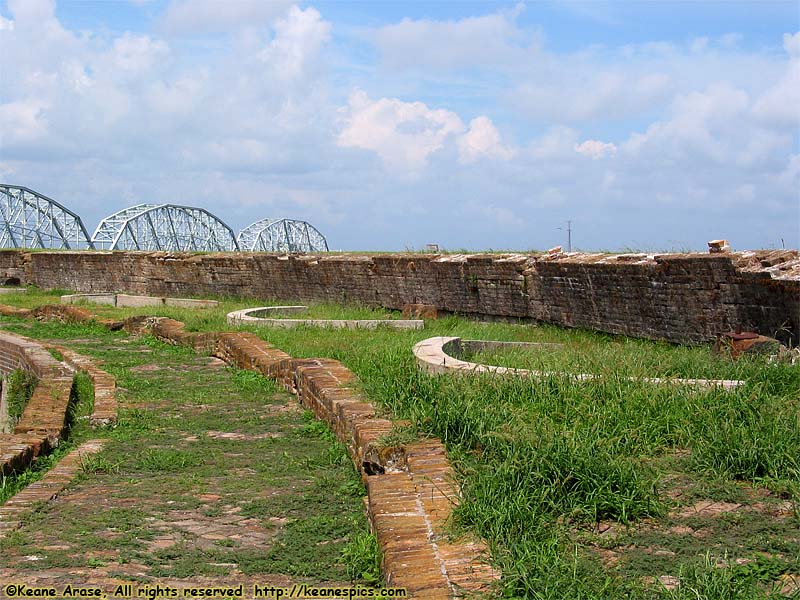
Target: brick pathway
{"type": "Point", "coordinates": [408, 511]}
{"type": "Point", "coordinates": [46, 489]}
{"type": "Point", "coordinates": [204, 482]}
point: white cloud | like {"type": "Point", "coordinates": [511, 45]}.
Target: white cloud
{"type": "Point", "coordinates": [760, 146]}
{"type": "Point", "coordinates": [211, 16]}
{"type": "Point", "coordinates": [780, 104]}
{"type": "Point", "coordinates": [556, 143]}
{"type": "Point", "coordinates": [178, 98]}
{"type": "Point", "coordinates": [32, 12]}
{"type": "Point", "coordinates": [298, 40]}
{"type": "Point", "coordinates": [403, 134]}
{"type": "Point", "coordinates": [473, 41]}
{"type": "Point", "coordinates": [699, 122]}
{"type": "Point", "coordinates": [730, 40]}
{"type": "Point", "coordinates": [699, 44]}
{"type": "Point", "coordinates": [135, 54]}
{"type": "Point", "coordinates": [501, 215]}
{"type": "Point", "coordinates": [482, 140]}
{"type": "Point", "coordinates": [33, 37]}
{"type": "Point", "coordinates": [135, 95]}
{"type": "Point", "coordinates": [22, 122]}
{"type": "Point", "coordinates": [791, 43]}
{"type": "Point", "coordinates": [790, 176]}
{"type": "Point", "coordinates": [6, 24]}
{"type": "Point", "coordinates": [596, 149]}
{"type": "Point", "coordinates": [566, 93]}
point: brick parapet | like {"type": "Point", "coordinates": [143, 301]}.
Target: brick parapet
{"type": "Point", "coordinates": [104, 411]}
{"type": "Point", "coordinates": [44, 420]}
{"type": "Point", "coordinates": [410, 500]}
{"type": "Point", "coordinates": [676, 297]}
{"type": "Point", "coordinates": [44, 417]}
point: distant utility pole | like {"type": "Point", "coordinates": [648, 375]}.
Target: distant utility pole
{"type": "Point", "coordinates": [569, 235]}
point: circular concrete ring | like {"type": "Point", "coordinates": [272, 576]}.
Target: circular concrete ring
{"type": "Point", "coordinates": [439, 355]}
{"type": "Point", "coordinates": [256, 316]}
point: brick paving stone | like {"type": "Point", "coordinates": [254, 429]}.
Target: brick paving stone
{"type": "Point", "coordinates": [47, 488]}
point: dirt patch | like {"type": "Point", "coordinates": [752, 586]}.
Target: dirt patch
{"type": "Point", "coordinates": [737, 526]}
{"type": "Point", "coordinates": [207, 532]}
{"type": "Point", "coordinates": [708, 508]}
{"type": "Point", "coordinates": [147, 368]}
{"type": "Point", "coordinates": [200, 363]}
{"type": "Point", "coordinates": [234, 435]}
{"type": "Point", "coordinates": [790, 584]}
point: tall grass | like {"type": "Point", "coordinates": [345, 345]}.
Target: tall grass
{"type": "Point", "coordinates": [21, 384]}
{"type": "Point", "coordinates": [536, 458]}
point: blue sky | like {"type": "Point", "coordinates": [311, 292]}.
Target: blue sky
{"type": "Point", "coordinates": [652, 126]}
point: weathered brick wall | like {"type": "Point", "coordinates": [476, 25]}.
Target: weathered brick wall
{"type": "Point", "coordinates": [44, 419]}
{"type": "Point", "coordinates": [674, 297]}
{"type": "Point", "coordinates": [12, 267]}
{"type": "Point", "coordinates": [678, 297]}
{"type": "Point", "coordinates": [18, 352]}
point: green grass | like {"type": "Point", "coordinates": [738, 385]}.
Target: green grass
{"type": "Point", "coordinates": [204, 319]}
{"type": "Point", "coordinates": [20, 384]}
{"type": "Point", "coordinates": [539, 458]}
{"type": "Point", "coordinates": [542, 462]}
{"type": "Point", "coordinates": [617, 356]}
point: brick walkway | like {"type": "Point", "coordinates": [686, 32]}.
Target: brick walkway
{"type": "Point", "coordinates": [31, 498]}
{"type": "Point", "coordinates": [408, 511]}
{"type": "Point", "coordinates": [204, 482]}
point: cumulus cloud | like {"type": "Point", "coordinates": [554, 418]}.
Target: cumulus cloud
{"type": "Point", "coordinates": [31, 12]}
{"type": "Point", "coordinates": [212, 16]}
{"type": "Point", "coordinates": [132, 53]}
{"type": "Point", "coordinates": [501, 215]}
{"type": "Point", "coordinates": [403, 134]}
{"type": "Point", "coordinates": [176, 98]}
{"type": "Point", "coordinates": [22, 122]}
{"type": "Point", "coordinates": [297, 42]}
{"type": "Point", "coordinates": [558, 142]}
{"type": "Point", "coordinates": [482, 140]}
{"type": "Point", "coordinates": [695, 129]}
{"type": "Point", "coordinates": [468, 42]}
{"type": "Point", "coordinates": [406, 134]}
{"type": "Point", "coordinates": [790, 176]}
{"type": "Point", "coordinates": [791, 43]}
{"type": "Point", "coordinates": [255, 125]}
{"type": "Point", "coordinates": [780, 104]}
{"type": "Point", "coordinates": [556, 95]}
{"type": "Point", "coordinates": [134, 95]}
{"type": "Point", "coordinates": [596, 149]}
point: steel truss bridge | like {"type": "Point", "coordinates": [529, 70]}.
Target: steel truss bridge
{"type": "Point", "coordinates": [31, 220]}
{"type": "Point", "coordinates": [281, 235]}
{"type": "Point", "coordinates": [164, 227]}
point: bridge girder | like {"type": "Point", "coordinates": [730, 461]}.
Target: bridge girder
{"type": "Point", "coordinates": [29, 219]}
{"type": "Point", "coordinates": [168, 227]}
{"type": "Point", "coordinates": [281, 235]}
